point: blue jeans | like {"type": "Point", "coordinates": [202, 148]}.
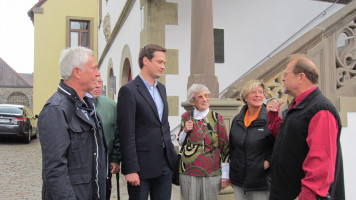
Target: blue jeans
{"type": "Point", "coordinates": [159, 188]}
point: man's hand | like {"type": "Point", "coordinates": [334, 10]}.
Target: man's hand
{"type": "Point", "coordinates": [266, 164]}
{"type": "Point", "coordinates": [224, 183]}
{"type": "Point", "coordinates": [114, 168]}
{"type": "Point", "coordinates": [133, 179]}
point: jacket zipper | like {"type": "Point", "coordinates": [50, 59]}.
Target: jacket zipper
{"type": "Point", "coordinates": [244, 186]}
{"type": "Point", "coordinates": [97, 155]}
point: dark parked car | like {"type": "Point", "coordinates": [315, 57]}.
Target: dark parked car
{"type": "Point", "coordinates": [17, 121]}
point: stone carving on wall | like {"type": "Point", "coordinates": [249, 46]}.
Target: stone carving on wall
{"type": "Point", "coordinates": [275, 86]}
{"type": "Point", "coordinates": [107, 27]}
{"type": "Point", "coordinates": [346, 60]}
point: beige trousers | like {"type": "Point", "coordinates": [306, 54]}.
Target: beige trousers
{"type": "Point", "coordinates": [199, 188]}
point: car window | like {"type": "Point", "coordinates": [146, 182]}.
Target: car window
{"type": "Point", "coordinates": [10, 110]}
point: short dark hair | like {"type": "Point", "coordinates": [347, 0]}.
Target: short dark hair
{"type": "Point", "coordinates": [306, 66]}
{"type": "Point", "coordinates": [148, 51]}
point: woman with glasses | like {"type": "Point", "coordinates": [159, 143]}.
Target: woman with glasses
{"type": "Point", "coordinates": [204, 166]}
{"type": "Point", "coordinates": [251, 145]}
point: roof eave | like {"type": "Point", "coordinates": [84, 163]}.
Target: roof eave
{"type": "Point", "coordinates": [35, 9]}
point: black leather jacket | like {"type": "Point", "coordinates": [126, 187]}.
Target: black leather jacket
{"type": "Point", "coordinates": [73, 148]}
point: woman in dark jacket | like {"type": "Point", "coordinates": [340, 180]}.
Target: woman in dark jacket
{"type": "Point", "coordinates": [251, 144]}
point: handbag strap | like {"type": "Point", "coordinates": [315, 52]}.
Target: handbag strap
{"type": "Point", "coordinates": [186, 137]}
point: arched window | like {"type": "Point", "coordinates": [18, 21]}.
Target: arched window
{"type": "Point", "coordinates": [111, 84]}
{"type": "Point", "coordinates": [126, 72]}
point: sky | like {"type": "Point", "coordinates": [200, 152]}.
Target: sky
{"type": "Point", "coordinates": [16, 34]}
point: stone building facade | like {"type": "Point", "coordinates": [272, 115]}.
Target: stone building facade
{"type": "Point", "coordinates": [14, 89]}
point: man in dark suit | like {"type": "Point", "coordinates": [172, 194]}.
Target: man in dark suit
{"type": "Point", "coordinates": [148, 155]}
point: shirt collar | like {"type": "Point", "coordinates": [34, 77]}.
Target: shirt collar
{"type": "Point", "coordinates": [200, 115]}
{"type": "Point", "coordinates": [148, 85]}
{"type": "Point", "coordinates": [304, 94]}
{"type": "Point", "coordinates": [89, 95]}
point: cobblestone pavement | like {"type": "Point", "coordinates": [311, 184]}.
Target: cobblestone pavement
{"type": "Point", "coordinates": [21, 169]}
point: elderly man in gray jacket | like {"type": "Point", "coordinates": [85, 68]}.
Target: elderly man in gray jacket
{"type": "Point", "coordinates": [74, 154]}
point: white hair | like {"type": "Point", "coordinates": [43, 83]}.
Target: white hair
{"type": "Point", "coordinates": [73, 57]}
{"type": "Point", "coordinates": [195, 88]}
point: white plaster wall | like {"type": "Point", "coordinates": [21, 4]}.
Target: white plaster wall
{"type": "Point", "coordinates": [348, 141]}
{"type": "Point", "coordinates": [255, 28]}
{"type": "Point", "coordinates": [114, 9]}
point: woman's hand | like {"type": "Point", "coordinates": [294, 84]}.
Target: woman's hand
{"type": "Point", "coordinates": [188, 126]}
{"type": "Point", "coordinates": [266, 164]}
{"type": "Point", "coordinates": [224, 183]}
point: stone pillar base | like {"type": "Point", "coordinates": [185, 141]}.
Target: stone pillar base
{"type": "Point", "coordinates": [210, 81]}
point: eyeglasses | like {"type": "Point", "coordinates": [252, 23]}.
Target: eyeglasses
{"type": "Point", "coordinates": [202, 97]}
{"type": "Point", "coordinates": [257, 92]}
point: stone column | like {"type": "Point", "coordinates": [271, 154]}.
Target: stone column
{"type": "Point", "coordinates": [202, 64]}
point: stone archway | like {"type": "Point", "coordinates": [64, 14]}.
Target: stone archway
{"type": "Point", "coordinates": [125, 66]}
{"type": "Point", "coordinates": [18, 98]}
{"type": "Point", "coordinates": [126, 74]}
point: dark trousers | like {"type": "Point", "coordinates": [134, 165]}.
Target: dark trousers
{"type": "Point", "coordinates": [159, 188]}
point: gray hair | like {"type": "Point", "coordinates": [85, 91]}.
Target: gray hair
{"type": "Point", "coordinates": [195, 88]}
{"type": "Point", "coordinates": [73, 57]}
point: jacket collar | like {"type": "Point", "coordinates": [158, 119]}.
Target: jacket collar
{"type": "Point", "coordinates": [146, 94]}
{"type": "Point", "coordinates": [71, 94]}
{"type": "Point", "coordinates": [305, 101]}
{"type": "Point", "coordinates": [262, 117]}
{"type": "Point", "coordinates": [68, 91]}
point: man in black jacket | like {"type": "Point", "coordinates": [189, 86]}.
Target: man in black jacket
{"type": "Point", "coordinates": [148, 155]}
{"type": "Point", "coordinates": [307, 158]}
{"type": "Point", "coordinates": [73, 145]}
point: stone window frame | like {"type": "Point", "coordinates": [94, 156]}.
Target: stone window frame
{"type": "Point", "coordinates": [69, 19]}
